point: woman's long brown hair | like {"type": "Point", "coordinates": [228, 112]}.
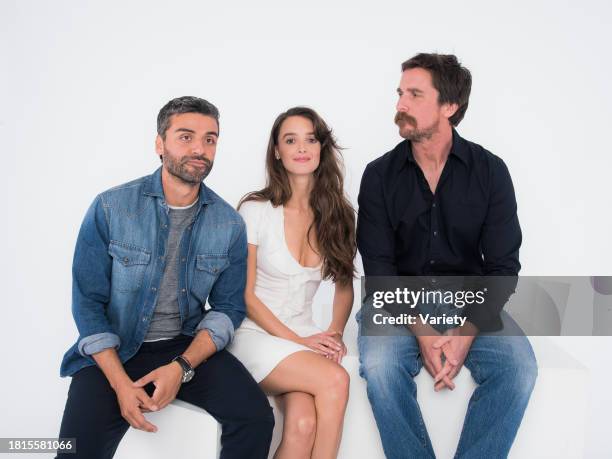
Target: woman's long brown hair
{"type": "Point", "coordinates": [334, 217]}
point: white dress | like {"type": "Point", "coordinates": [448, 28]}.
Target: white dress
{"type": "Point", "coordinates": [282, 284]}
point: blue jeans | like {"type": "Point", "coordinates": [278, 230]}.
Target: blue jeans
{"type": "Point", "coordinates": [504, 367]}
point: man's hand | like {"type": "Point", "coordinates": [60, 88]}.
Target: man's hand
{"type": "Point", "coordinates": [432, 361]}
{"type": "Point", "coordinates": [132, 401]}
{"type": "Point", "coordinates": [167, 382]}
{"type": "Point", "coordinates": [455, 345]}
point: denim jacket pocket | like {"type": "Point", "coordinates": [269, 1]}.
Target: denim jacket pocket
{"type": "Point", "coordinates": [208, 268]}
{"type": "Point", "coordinates": [129, 266]}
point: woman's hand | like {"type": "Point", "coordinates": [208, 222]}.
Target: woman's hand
{"type": "Point", "coordinates": [337, 356]}
{"type": "Point", "coordinates": [328, 344]}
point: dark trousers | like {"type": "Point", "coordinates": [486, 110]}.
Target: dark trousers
{"type": "Point", "coordinates": [221, 386]}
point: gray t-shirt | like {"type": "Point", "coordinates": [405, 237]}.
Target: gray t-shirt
{"type": "Point", "coordinates": [166, 320]}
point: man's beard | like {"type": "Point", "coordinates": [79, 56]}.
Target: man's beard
{"type": "Point", "coordinates": [416, 134]}
{"type": "Point", "coordinates": [185, 172]}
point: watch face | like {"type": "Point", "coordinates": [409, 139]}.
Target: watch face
{"type": "Point", "coordinates": [188, 375]}
{"type": "Point", "coordinates": [187, 370]}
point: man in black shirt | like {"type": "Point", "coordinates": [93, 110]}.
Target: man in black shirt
{"type": "Point", "coordinates": [438, 205]}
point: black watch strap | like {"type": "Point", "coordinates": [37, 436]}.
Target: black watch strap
{"type": "Point", "coordinates": [188, 371]}
{"type": "Point", "coordinates": [182, 361]}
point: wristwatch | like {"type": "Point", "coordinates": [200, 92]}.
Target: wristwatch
{"type": "Point", "coordinates": [188, 372]}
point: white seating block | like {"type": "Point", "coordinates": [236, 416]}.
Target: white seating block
{"type": "Point", "coordinates": [553, 427]}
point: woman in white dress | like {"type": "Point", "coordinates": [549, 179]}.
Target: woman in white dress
{"type": "Point", "coordinates": [300, 230]}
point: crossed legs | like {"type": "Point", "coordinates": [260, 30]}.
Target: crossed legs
{"type": "Point", "coordinates": [314, 393]}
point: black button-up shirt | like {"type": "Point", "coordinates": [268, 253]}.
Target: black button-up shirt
{"type": "Point", "coordinates": [469, 227]}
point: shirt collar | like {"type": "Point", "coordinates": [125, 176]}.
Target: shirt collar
{"type": "Point", "coordinates": [153, 187]}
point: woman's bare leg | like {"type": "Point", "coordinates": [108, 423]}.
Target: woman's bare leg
{"type": "Point", "coordinates": [327, 382]}
{"type": "Point", "coordinates": [299, 426]}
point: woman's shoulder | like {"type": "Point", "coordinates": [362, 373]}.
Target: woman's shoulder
{"type": "Point", "coordinates": [254, 206]}
{"type": "Point", "coordinates": [255, 212]}
{"type": "Point", "coordinates": [257, 215]}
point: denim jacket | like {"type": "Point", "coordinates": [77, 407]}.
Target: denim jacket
{"type": "Point", "coordinates": [119, 261]}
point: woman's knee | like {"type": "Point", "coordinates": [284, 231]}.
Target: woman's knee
{"type": "Point", "coordinates": [300, 429]}
{"type": "Point", "coordinates": [336, 384]}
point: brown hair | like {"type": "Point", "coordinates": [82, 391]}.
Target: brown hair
{"type": "Point", "coordinates": [452, 81]}
{"type": "Point", "coordinates": [334, 217]}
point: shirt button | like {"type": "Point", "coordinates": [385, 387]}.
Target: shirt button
{"type": "Point", "coordinates": [183, 290]}
{"type": "Point", "coordinates": [431, 262]}
{"type": "Point", "coordinates": [126, 260]}
{"type": "Point", "coordinates": [144, 319]}
{"type": "Point", "coordinates": [165, 226]}
{"type": "Point", "coordinates": [154, 289]}
{"type": "Point", "coordinates": [183, 259]}
{"type": "Point", "coordinates": [435, 233]}
{"type": "Point", "coordinates": [433, 205]}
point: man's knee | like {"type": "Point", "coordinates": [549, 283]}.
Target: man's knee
{"type": "Point", "coordinates": [260, 422]}
{"type": "Point", "coordinates": [524, 372]}
{"type": "Point", "coordinates": [517, 368]}
{"type": "Point", "coordinates": [387, 356]}
{"type": "Point", "coordinates": [265, 422]}
{"type": "Point", "coordinates": [380, 370]}
{"type": "Point", "coordinates": [260, 413]}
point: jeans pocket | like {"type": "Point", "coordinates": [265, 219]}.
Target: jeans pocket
{"type": "Point", "coordinates": [129, 265]}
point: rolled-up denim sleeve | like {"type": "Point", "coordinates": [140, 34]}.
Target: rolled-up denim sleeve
{"type": "Point", "coordinates": [219, 326]}
{"type": "Point", "coordinates": [91, 283]}
{"type": "Point", "coordinates": [93, 344]}
{"type": "Point", "coordinates": [226, 297]}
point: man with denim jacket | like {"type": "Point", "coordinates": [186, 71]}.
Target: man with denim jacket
{"type": "Point", "coordinates": [149, 257]}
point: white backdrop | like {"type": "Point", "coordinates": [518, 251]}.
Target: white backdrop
{"type": "Point", "coordinates": [82, 83]}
